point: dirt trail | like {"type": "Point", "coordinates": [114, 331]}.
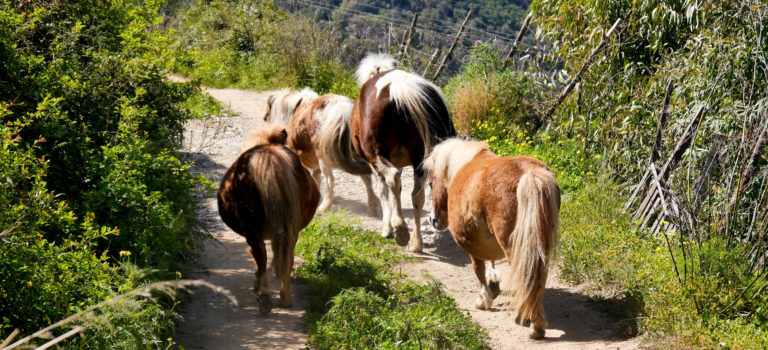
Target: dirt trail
{"type": "Point", "coordinates": [211, 322]}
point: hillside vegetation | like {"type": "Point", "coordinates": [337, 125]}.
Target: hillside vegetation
{"type": "Point", "coordinates": [94, 199]}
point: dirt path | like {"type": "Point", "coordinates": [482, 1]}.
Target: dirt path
{"type": "Point", "coordinates": [211, 322]}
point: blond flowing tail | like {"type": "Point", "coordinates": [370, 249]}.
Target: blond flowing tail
{"type": "Point", "coordinates": [533, 243]}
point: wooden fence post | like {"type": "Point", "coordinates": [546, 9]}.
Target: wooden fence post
{"type": "Point", "coordinates": [453, 46]}
{"type": "Point", "coordinates": [407, 37]}
{"type": "Point", "coordinates": [430, 63]}
{"type": "Point", "coordinates": [520, 34]}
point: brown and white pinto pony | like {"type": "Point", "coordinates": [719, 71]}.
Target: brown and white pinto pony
{"type": "Point", "coordinates": [498, 208]}
{"type": "Point", "coordinates": [396, 119]}
{"type": "Point", "coordinates": [282, 105]}
{"type": "Point", "coordinates": [268, 195]}
{"type": "Point", "coordinates": [319, 133]}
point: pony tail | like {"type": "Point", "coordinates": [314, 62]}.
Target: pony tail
{"type": "Point", "coordinates": [273, 174]}
{"type": "Point", "coordinates": [334, 139]}
{"type": "Point", "coordinates": [533, 242]}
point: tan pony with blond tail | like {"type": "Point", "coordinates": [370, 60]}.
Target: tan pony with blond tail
{"type": "Point", "coordinates": [498, 208]}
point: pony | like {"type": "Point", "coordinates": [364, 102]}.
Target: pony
{"type": "Point", "coordinates": [282, 104]}
{"type": "Point", "coordinates": [319, 133]}
{"type": "Point", "coordinates": [498, 207]}
{"type": "Point", "coordinates": [268, 195]}
{"type": "Point", "coordinates": [395, 120]}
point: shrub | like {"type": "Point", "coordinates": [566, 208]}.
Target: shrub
{"type": "Point", "coordinates": [482, 92]}
{"type": "Point", "coordinates": [91, 177]}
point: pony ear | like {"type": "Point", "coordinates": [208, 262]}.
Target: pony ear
{"type": "Point", "coordinates": [298, 104]}
{"type": "Point", "coordinates": [270, 100]}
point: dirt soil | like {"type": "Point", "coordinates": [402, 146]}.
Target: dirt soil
{"type": "Point", "coordinates": [210, 321]}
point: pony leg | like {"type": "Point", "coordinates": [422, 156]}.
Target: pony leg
{"type": "Point", "coordinates": [316, 174]}
{"type": "Point", "coordinates": [383, 194]}
{"type": "Point", "coordinates": [286, 265]}
{"type": "Point", "coordinates": [493, 280]}
{"type": "Point", "coordinates": [261, 283]}
{"type": "Point", "coordinates": [416, 244]}
{"type": "Point", "coordinates": [275, 265]}
{"type": "Point", "coordinates": [390, 178]}
{"type": "Point", "coordinates": [484, 297]}
{"type": "Point", "coordinates": [373, 201]}
{"type": "Point", "coordinates": [329, 183]}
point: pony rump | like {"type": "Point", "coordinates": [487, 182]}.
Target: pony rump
{"type": "Point", "coordinates": [283, 104]}
{"type": "Point", "coordinates": [372, 64]}
{"type": "Point", "coordinates": [533, 242]}
{"type": "Point", "coordinates": [452, 154]}
{"type": "Point", "coordinates": [421, 101]}
{"type": "Point", "coordinates": [333, 140]}
{"type": "Point", "coordinates": [276, 180]}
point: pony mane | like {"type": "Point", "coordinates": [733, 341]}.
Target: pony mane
{"type": "Point", "coordinates": [263, 135]}
{"type": "Point", "coordinates": [452, 154]}
{"type": "Point", "coordinates": [284, 103]}
{"type": "Point", "coordinates": [372, 64]}
{"type": "Point", "coordinates": [418, 96]}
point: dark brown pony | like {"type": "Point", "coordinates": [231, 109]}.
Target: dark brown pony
{"type": "Point", "coordinates": [498, 208]}
{"type": "Point", "coordinates": [268, 195]}
{"type": "Point", "coordinates": [396, 119]}
{"type": "Point", "coordinates": [319, 133]}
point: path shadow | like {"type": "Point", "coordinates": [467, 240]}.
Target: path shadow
{"type": "Point", "coordinates": [204, 164]}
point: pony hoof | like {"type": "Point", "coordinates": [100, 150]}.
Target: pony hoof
{"type": "Point", "coordinates": [402, 236]}
{"type": "Point", "coordinates": [495, 289]}
{"type": "Point", "coordinates": [324, 207]}
{"type": "Point", "coordinates": [481, 305]}
{"type": "Point", "coordinates": [415, 248]}
{"type": "Point", "coordinates": [265, 304]}
{"type": "Point", "coordinates": [537, 332]}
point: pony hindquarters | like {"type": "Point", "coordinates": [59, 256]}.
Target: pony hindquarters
{"type": "Point", "coordinates": [334, 149]}
{"type": "Point", "coordinates": [532, 245]}
{"type": "Point", "coordinates": [268, 195]}
{"type": "Point", "coordinates": [319, 133]}
{"type": "Point", "coordinates": [397, 118]}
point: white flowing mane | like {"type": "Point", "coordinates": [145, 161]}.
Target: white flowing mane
{"type": "Point", "coordinates": [452, 154]}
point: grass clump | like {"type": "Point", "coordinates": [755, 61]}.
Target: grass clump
{"type": "Point", "coordinates": [358, 302]}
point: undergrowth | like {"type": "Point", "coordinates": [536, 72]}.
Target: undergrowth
{"type": "Point", "coordinates": [358, 302]}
